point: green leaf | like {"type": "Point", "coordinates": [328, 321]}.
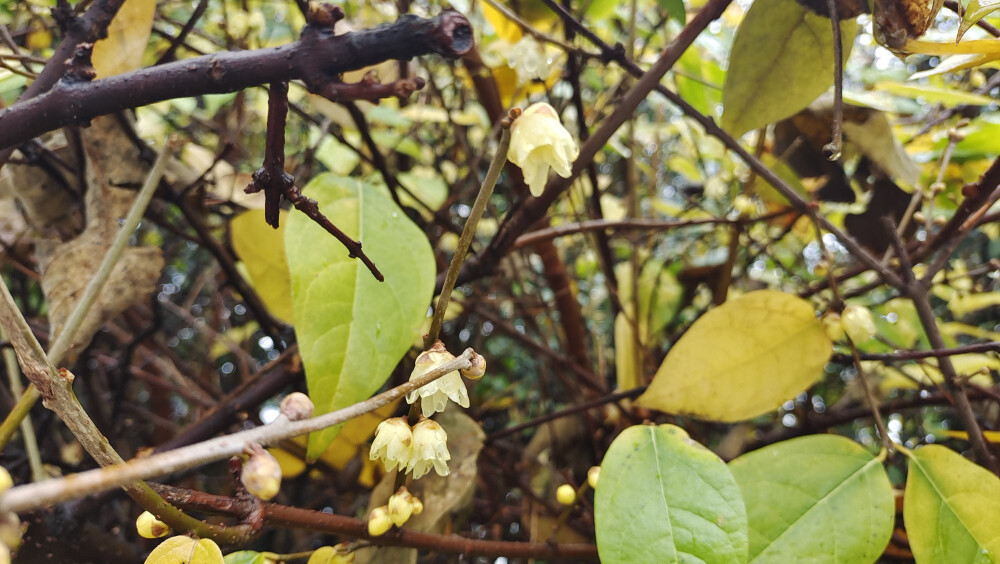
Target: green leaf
{"type": "Point", "coordinates": [782, 59]}
{"type": "Point", "coordinates": [245, 557]}
{"type": "Point", "coordinates": [840, 510]}
{"type": "Point", "coordinates": [772, 347]}
{"type": "Point", "coordinates": [186, 550]}
{"type": "Point", "coordinates": [664, 498]}
{"type": "Point", "coordinates": [674, 8]}
{"type": "Point", "coordinates": [262, 250]}
{"type": "Point", "coordinates": [951, 508]}
{"type": "Point", "coordinates": [975, 11]}
{"type": "Point", "coordinates": [353, 330]}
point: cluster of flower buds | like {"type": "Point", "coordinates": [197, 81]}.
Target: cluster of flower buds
{"type": "Point", "coordinates": [397, 511]}
{"type": "Point", "coordinates": [415, 450]}
{"type": "Point", "coordinates": [538, 141]}
{"type": "Point", "coordinates": [261, 473]}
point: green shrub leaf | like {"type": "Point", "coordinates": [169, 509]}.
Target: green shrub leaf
{"type": "Point", "coordinates": [821, 499]}
{"type": "Point", "coordinates": [782, 59]}
{"type": "Point", "coordinates": [664, 498]}
{"type": "Point", "coordinates": [951, 508]}
{"type": "Point", "coordinates": [352, 330]}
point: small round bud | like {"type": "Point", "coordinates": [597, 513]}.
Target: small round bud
{"type": "Point", "coordinates": [150, 527]}
{"type": "Point", "coordinates": [858, 323]}
{"type": "Point", "coordinates": [379, 521]}
{"type": "Point", "coordinates": [478, 368]}
{"type": "Point", "coordinates": [297, 406]}
{"type": "Point", "coordinates": [261, 473]}
{"type": "Point", "coordinates": [400, 506]}
{"type": "Point", "coordinates": [6, 482]}
{"type": "Point", "coordinates": [745, 206]}
{"type": "Point", "coordinates": [339, 554]}
{"type": "Point", "coordinates": [565, 494]}
{"type": "Point", "coordinates": [592, 475]}
{"type": "Point", "coordinates": [821, 269]}
{"type": "Point", "coordinates": [832, 326]}
{"type": "Point", "coordinates": [418, 506]}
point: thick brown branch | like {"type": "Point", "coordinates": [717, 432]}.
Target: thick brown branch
{"type": "Point", "coordinates": [317, 58]}
{"type": "Point", "coordinates": [295, 518]}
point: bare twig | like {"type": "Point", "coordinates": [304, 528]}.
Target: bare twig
{"type": "Point", "coordinates": [23, 498]}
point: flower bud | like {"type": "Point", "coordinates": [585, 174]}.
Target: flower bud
{"type": "Point", "coordinates": [745, 206]}
{"type": "Point", "coordinates": [832, 326]}
{"type": "Point", "coordinates": [538, 141]}
{"type": "Point", "coordinates": [858, 323]}
{"type": "Point", "coordinates": [392, 444]}
{"type": "Point", "coordinates": [418, 506]}
{"type": "Point", "coordinates": [566, 495]}
{"type": "Point", "coordinates": [379, 521]}
{"type": "Point", "coordinates": [477, 369]}
{"type": "Point", "coordinates": [430, 449]}
{"type": "Point", "coordinates": [339, 554]}
{"type": "Point", "coordinates": [6, 482]}
{"type": "Point", "coordinates": [296, 406]}
{"type": "Point", "coordinates": [261, 473]}
{"type": "Point", "coordinates": [592, 475]}
{"type": "Point", "coordinates": [401, 506]}
{"type": "Point", "coordinates": [434, 396]}
{"type": "Point", "coordinates": [150, 527]}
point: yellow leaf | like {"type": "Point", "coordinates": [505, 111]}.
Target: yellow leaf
{"type": "Point", "coordinates": [186, 550]}
{"type": "Point", "coordinates": [990, 436]}
{"type": "Point", "coordinates": [742, 359]}
{"type": "Point", "coordinates": [962, 305]}
{"type": "Point", "coordinates": [291, 465]}
{"type": "Point", "coordinates": [262, 250]}
{"type": "Point", "coordinates": [122, 50]}
{"type": "Point", "coordinates": [628, 355]}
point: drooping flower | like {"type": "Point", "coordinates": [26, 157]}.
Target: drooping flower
{"type": "Point", "coordinates": [393, 439]}
{"type": "Point", "coordinates": [430, 449]}
{"type": "Point", "coordinates": [434, 396]}
{"type": "Point", "coordinates": [538, 141]}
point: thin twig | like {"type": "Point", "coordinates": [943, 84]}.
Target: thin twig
{"type": "Point", "coordinates": [27, 497]}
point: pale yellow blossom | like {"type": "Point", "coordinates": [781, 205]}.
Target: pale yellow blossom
{"type": "Point", "coordinates": [538, 142]}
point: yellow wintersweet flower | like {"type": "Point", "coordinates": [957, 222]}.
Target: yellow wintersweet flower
{"type": "Point", "coordinates": [538, 141]}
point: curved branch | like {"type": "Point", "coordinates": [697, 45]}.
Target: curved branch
{"type": "Point", "coordinates": [318, 58]}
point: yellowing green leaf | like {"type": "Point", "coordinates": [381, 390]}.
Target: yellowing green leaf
{"type": "Point", "coordinates": [122, 50]}
{"type": "Point", "coordinates": [951, 508]}
{"type": "Point", "coordinates": [353, 330]}
{"type": "Point", "coordinates": [742, 359]}
{"type": "Point", "coordinates": [629, 355]}
{"type": "Point", "coordinates": [819, 499]}
{"type": "Point", "coordinates": [262, 250]}
{"type": "Point", "coordinates": [664, 498]}
{"type": "Point", "coordinates": [948, 97]}
{"type": "Point", "coordinates": [975, 11]}
{"type": "Point", "coordinates": [246, 557]}
{"type": "Point", "coordinates": [782, 59]}
{"type": "Point", "coordinates": [186, 550]}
